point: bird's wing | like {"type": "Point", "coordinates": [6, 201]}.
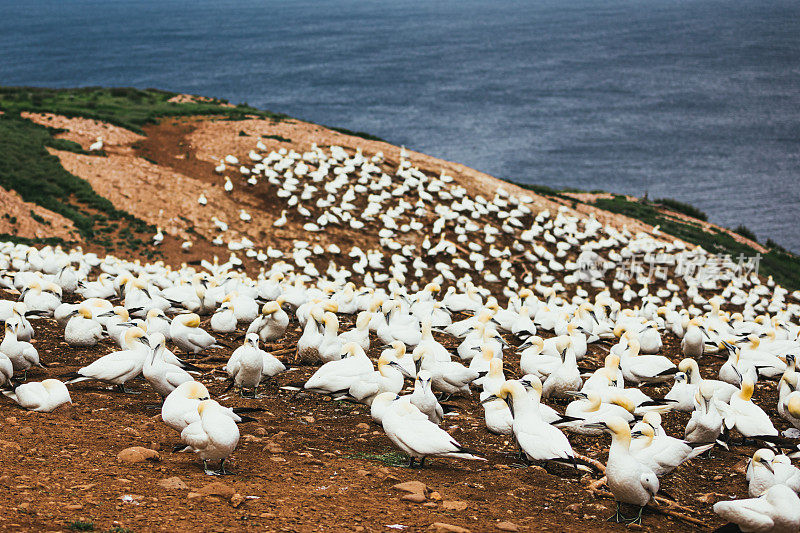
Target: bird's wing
{"type": "Point", "coordinates": [176, 376]}
{"type": "Point", "coordinates": [109, 368]}
{"type": "Point", "coordinates": [195, 436]}
{"type": "Point", "coordinates": [425, 437]}
{"type": "Point", "coordinates": [750, 513]}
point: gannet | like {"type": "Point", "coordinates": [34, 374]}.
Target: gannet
{"type": "Point", "coordinates": [271, 324]}
{"type": "Point", "coordinates": [777, 511]}
{"type": "Point", "coordinates": [424, 400]}
{"type": "Point", "coordinates": [538, 439]}
{"type": "Point", "coordinates": [339, 375]}
{"type": "Point", "coordinates": [81, 329]}
{"type": "Point", "coordinates": [629, 480]}
{"type": "Point", "coordinates": [186, 333]}
{"type": "Point", "coordinates": [22, 354]}
{"type": "Point", "coordinates": [164, 377]}
{"type": "Point", "coordinates": [411, 431]}
{"type": "Point", "coordinates": [44, 396]}
{"type": "Point", "coordinates": [118, 367]}
{"type": "Point", "coordinates": [760, 472]}
{"type": "Point", "coordinates": [748, 418]}
{"type": "Point", "coordinates": [706, 423]}
{"type": "Point", "coordinates": [661, 453]}
{"type": "Point", "coordinates": [644, 368]}
{"type": "Point", "coordinates": [213, 437]}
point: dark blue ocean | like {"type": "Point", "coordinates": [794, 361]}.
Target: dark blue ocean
{"type": "Point", "coordinates": [697, 100]}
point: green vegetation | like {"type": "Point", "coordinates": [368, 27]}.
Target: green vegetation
{"type": "Point", "coordinates": [745, 232]}
{"type": "Point", "coordinates": [118, 529]}
{"type": "Point", "coordinates": [361, 134]}
{"type": "Point", "coordinates": [27, 168]}
{"type": "Point", "coordinates": [681, 207]}
{"type": "Point", "coordinates": [70, 146]}
{"type": "Point", "coordinates": [388, 458]}
{"type": "Point", "coordinates": [545, 190]}
{"type": "Point", "coordinates": [277, 138]}
{"type": "Point", "coordinates": [783, 266]}
{"type": "Point", "coordinates": [124, 106]}
{"type": "Point", "coordinates": [81, 525]}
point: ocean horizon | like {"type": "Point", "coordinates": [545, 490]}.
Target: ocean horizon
{"type": "Point", "coordinates": [694, 100]}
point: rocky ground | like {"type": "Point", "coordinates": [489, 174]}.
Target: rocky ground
{"type": "Point", "coordinates": [308, 464]}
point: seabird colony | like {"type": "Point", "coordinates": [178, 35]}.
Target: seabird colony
{"type": "Point", "coordinates": [497, 275]}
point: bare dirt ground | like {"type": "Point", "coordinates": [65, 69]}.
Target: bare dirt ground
{"type": "Point", "coordinates": [307, 464]}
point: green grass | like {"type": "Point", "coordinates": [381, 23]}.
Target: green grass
{"type": "Point", "coordinates": [363, 135]}
{"type": "Point", "coordinates": [745, 232]}
{"type": "Point", "coordinates": [681, 207]}
{"type": "Point", "coordinates": [27, 168]}
{"type": "Point", "coordinates": [783, 266]}
{"type": "Point", "coordinates": [70, 146]}
{"type": "Point", "coordinates": [387, 458]}
{"type": "Point", "coordinates": [277, 138]}
{"type": "Point", "coordinates": [81, 525]}
{"type": "Point", "coordinates": [546, 190]}
{"type": "Point", "coordinates": [124, 106]}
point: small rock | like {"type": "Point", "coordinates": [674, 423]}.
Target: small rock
{"type": "Point", "coordinates": [429, 504]}
{"type": "Point", "coordinates": [435, 496]}
{"type": "Point", "coordinates": [442, 527]}
{"type": "Point", "coordinates": [272, 447]}
{"type": "Point", "coordinates": [502, 467]}
{"type": "Point", "coordinates": [11, 420]}
{"type": "Point", "coordinates": [193, 495]}
{"type": "Point", "coordinates": [137, 454]}
{"type": "Point", "coordinates": [363, 472]}
{"type": "Point", "coordinates": [507, 526]}
{"type": "Point", "coordinates": [308, 419]}
{"type": "Point", "coordinates": [172, 483]}
{"type": "Point", "coordinates": [237, 500]}
{"type": "Point", "coordinates": [363, 426]}
{"type": "Point", "coordinates": [414, 487]}
{"type": "Point", "coordinates": [416, 497]}
{"type": "Point", "coordinates": [454, 505]}
{"type": "Point", "coordinates": [26, 431]}
{"type": "Point", "coordinates": [637, 527]}
{"type": "Point", "coordinates": [218, 488]}
{"type": "Point", "coordinates": [73, 507]}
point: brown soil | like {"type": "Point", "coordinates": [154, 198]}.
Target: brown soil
{"type": "Point", "coordinates": [309, 463]}
{"type": "Point", "coordinates": [17, 219]}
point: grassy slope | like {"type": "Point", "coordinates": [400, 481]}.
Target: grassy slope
{"type": "Point", "coordinates": [125, 107]}
{"type": "Point", "coordinates": [783, 266]}
{"type": "Point", "coordinates": [26, 167]}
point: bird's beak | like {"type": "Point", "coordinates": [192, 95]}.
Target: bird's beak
{"type": "Point", "coordinates": [402, 370]}
{"type": "Point", "coordinates": [145, 341]}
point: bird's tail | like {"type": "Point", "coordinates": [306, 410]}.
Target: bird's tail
{"type": "Point", "coordinates": [72, 377]}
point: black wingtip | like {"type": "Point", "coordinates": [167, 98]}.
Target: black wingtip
{"type": "Point", "coordinates": [239, 410]}
{"type": "Point", "coordinates": [563, 419]}
{"type": "Point", "coordinates": [668, 372]}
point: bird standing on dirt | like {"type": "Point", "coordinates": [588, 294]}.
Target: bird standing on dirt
{"type": "Point", "coordinates": [411, 431]}
{"type": "Point", "coordinates": [213, 437]}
